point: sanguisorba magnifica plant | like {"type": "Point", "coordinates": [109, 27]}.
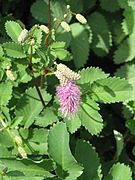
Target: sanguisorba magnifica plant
{"type": "Point", "coordinates": [49, 103]}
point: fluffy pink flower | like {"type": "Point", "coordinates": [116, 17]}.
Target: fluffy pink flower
{"type": "Point", "coordinates": [69, 97]}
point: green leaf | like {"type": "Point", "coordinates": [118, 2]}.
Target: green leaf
{"type": "Point", "coordinates": [4, 152]}
{"type": "Point", "coordinates": [89, 4]}
{"type": "Point", "coordinates": [37, 35]}
{"type": "Point", "coordinates": [126, 50]}
{"type": "Point", "coordinates": [64, 36]}
{"type": "Point", "coordinates": [37, 141]}
{"type": "Point", "coordinates": [127, 71]}
{"type": "Point", "coordinates": [39, 10]}
{"type": "Point", "coordinates": [90, 117]}
{"type": "Point", "coordinates": [59, 52]}
{"type": "Point", "coordinates": [5, 140]}
{"type": "Point", "coordinates": [14, 177]}
{"type": "Point", "coordinates": [24, 133]}
{"type": "Point", "coordinates": [111, 90]}
{"type": "Point", "coordinates": [13, 29]}
{"type": "Point", "coordinates": [76, 6]}
{"type": "Point", "coordinates": [5, 93]}
{"type": "Point", "coordinates": [102, 39]}
{"type": "Point", "coordinates": [86, 155]}
{"type": "Point", "coordinates": [23, 76]}
{"type": "Point", "coordinates": [14, 50]}
{"type": "Point", "coordinates": [58, 9]}
{"type": "Point", "coordinates": [79, 44]}
{"type": "Point", "coordinates": [25, 106]}
{"type": "Point", "coordinates": [128, 25]}
{"type": "Point", "coordinates": [1, 51]}
{"type": "Point", "coordinates": [62, 54]}
{"type": "Point", "coordinates": [58, 45]}
{"type": "Point", "coordinates": [128, 110]}
{"type": "Point", "coordinates": [73, 124]}
{"type": "Point", "coordinates": [110, 6]}
{"type": "Point", "coordinates": [131, 3]}
{"type": "Point", "coordinates": [130, 124]}
{"type": "Point", "coordinates": [16, 122]}
{"type": "Point", "coordinates": [58, 142]}
{"type": "Point", "coordinates": [117, 170]}
{"type": "Point", "coordinates": [119, 142]}
{"type": "Point", "coordinates": [48, 117]}
{"type": "Point", "coordinates": [89, 75]}
{"type": "Point", "coordinates": [28, 167]}
{"type": "Point", "coordinates": [123, 3]}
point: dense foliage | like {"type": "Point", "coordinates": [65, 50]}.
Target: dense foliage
{"type": "Point", "coordinates": [39, 141]}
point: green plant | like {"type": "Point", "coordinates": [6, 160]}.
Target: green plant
{"type": "Point", "coordinates": [37, 140]}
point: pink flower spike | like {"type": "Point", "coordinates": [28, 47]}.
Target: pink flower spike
{"type": "Point", "coordinates": [69, 97]}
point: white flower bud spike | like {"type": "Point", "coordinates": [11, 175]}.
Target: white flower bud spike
{"type": "Point", "coordinates": [10, 75]}
{"type": "Point", "coordinates": [44, 29]}
{"type": "Point", "coordinates": [65, 26]}
{"type": "Point", "coordinates": [81, 18]}
{"type": "Point", "coordinates": [22, 36]}
{"type": "Point", "coordinates": [64, 74]}
{"type": "Point", "coordinates": [68, 6]}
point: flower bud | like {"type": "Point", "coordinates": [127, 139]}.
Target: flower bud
{"type": "Point", "coordinates": [65, 15]}
{"type": "Point", "coordinates": [81, 18]}
{"type": "Point", "coordinates": [66, 72]}
{"type": "Point", "coordinates": [22, 36]}
{"type": "Point", "coordinates": [10, 75]}
{"type": "Point", "coordinates": [32, 42]}
{"type": "Point", "coordinates": [65, 26]}
{"type": "Point", "coordinates": [22, 152]}
{"type": "Point", "coordinates": [68, 6]}
{"type": "Point", "coordinates": [44, 29]}
{"type": "Point", "coordinates": [55, 19]}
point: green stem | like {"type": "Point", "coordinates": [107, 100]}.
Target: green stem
{"type": "Point", "coordinates": [34, 80]}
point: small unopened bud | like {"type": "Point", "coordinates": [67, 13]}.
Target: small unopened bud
{"type": "Point", "coordinates": [8, 67]}
{"type": "Point", "coordinates": [10, 75]}
{"type": "Point", "coordinates": [55, 19]}
{"type": "Point", "coordinates": [18, 140]}
{"type": "Point", "coordinates": [22, 152]}
{"type": "Point", "coordinates": [81, 18]}
{"type": "Point", "coordinates": [65, 15]}
{"type": "Point", "coordinates": [44, 29]}
{"type": "Point", "coordinates": [32, 42]}
{"type": "Point", "coordinates": [22, 36]}
{"type": "Point", "coordinates": [68, 6]}
{"type": "Point", "coordinates": [65, 26]}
